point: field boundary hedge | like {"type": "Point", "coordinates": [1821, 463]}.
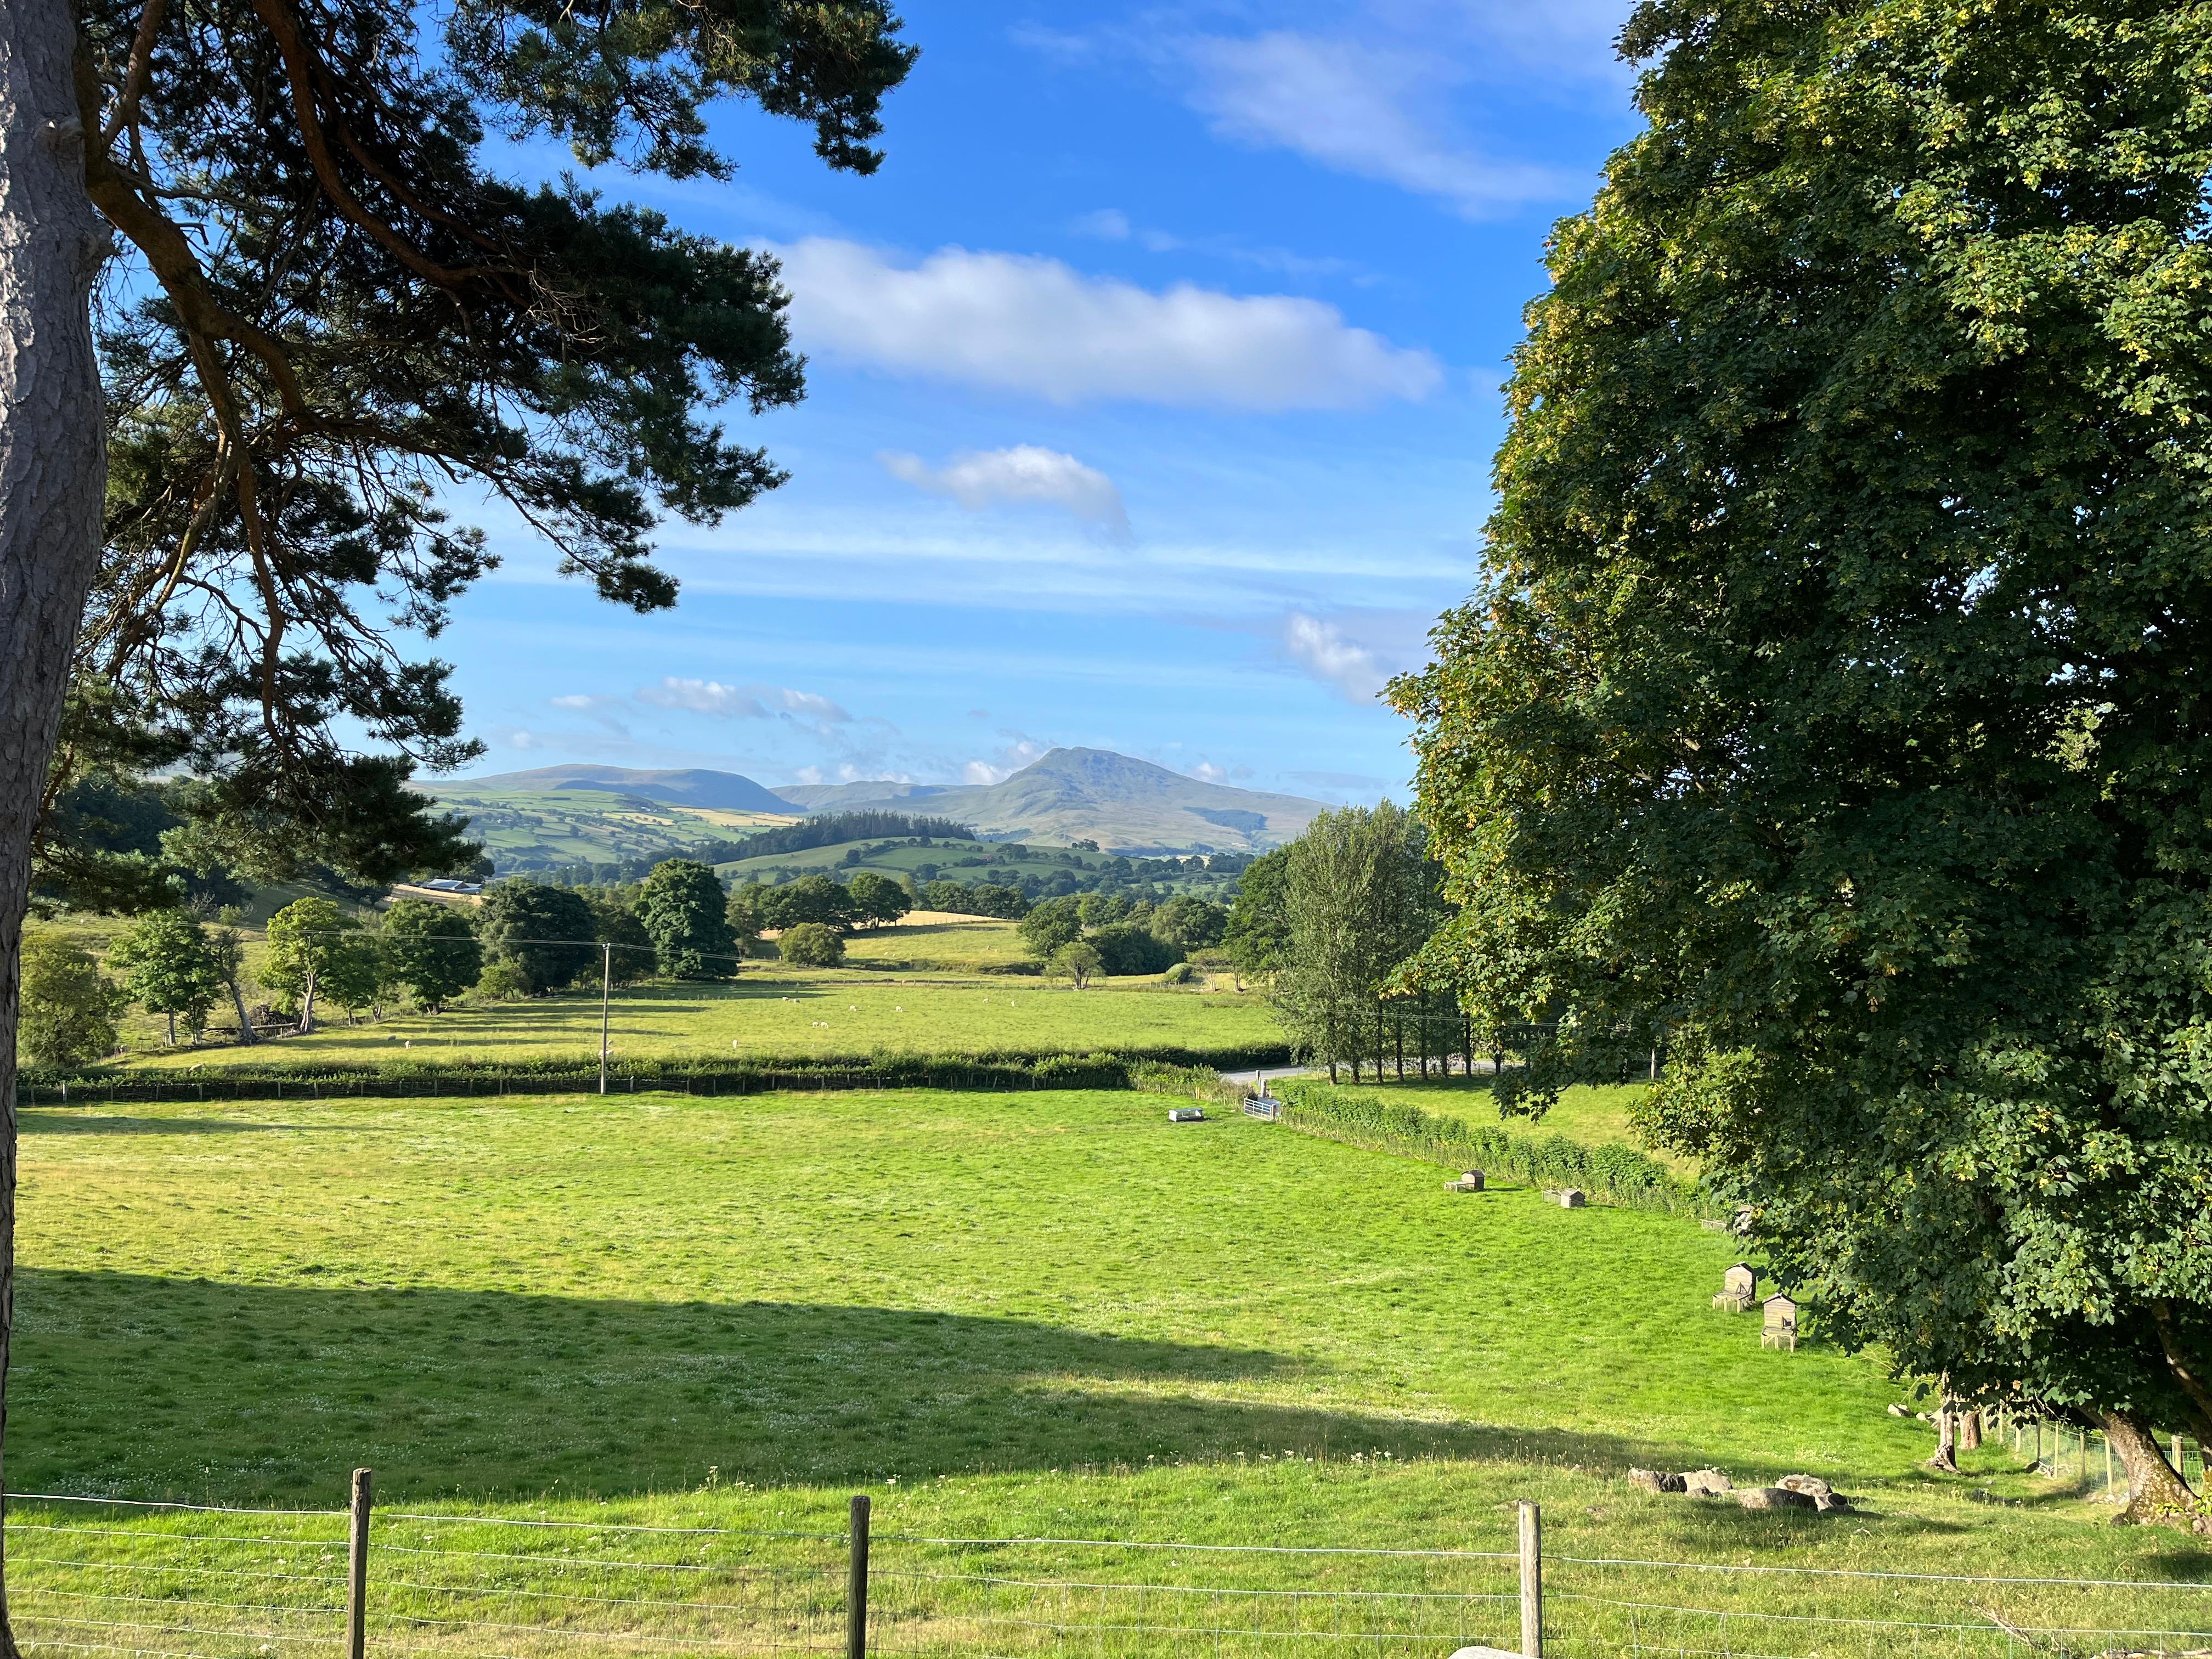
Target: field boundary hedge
{"type": "Point", "coordinates": [999, 1070]}
{"type": "Point", "coordinates": [1620, 1174]}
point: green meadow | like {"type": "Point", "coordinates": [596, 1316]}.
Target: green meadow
{"type": "Point", "coordinates": [1044, 1315]}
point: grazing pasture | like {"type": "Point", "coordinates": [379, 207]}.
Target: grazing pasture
{"type": "Point", "coordinates": [783, 1012]}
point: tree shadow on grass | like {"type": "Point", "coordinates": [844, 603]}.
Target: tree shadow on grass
{"type": "Point", "coordinates": [96, 1121]}
{"type": "Point", "coordinates": [146, 1387]}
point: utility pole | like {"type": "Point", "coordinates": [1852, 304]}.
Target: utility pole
{"type": "Point", "coordinates": [606, 979]}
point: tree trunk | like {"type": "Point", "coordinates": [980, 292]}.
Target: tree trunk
{"type": "Point", "coordinates": [52, 473]}
{"type": "Point", "coordinates": [1970, 1430]}
{"type": "Point", "coordinates": [244, 1020]}
{"type": "Point", "coordinates": [307, 1007]}
{"type": "Point", "coordinates": [1946, 1443]}
{"type": "Point", "coordinates": [2155, 1493]}
{"type": "Point", "coordinates": [172, 1028]}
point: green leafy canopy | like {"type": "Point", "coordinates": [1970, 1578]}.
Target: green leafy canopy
{"type": "Point", "coordinates": [1835, 708]}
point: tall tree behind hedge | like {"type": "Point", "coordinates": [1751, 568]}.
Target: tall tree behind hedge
{"type": "Point", "coordinates": [1356, 904]}
{"type": "Point", "coordinates": [1836, 703]}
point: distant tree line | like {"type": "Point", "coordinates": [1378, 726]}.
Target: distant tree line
{"type": "Point", "coordinates": [832, 828]}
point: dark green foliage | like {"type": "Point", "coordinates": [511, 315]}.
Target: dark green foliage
{"type": "Point", "coordinates": [1077, 961]}
{"type": "Point", "coordinates": [877, 899]}
{"type": "Point", "coordinates": [683, 907]}
{"type": "Point", "coordinates": [984, 899]}
{"type": "Point", "coordinates": [810, 898]}
{"type": "Point", "coordinates": [1128, 947]}
{"type": "Point", "coordinates": [518, 916]}
{"type": "Point", "coordinates": [330, 311]}
{"type": "Point", "coordinates": [615, 921]}
{"type": "Point", "coordinates": [1258, 931]}
{"type": "Point", "coordinates": [1190, 923]}
{"type": "Point", "coordinates": [811, 944]}
{"type": "Point", "coordinates": [986, 1069]}
{"type": "Point", "coordinates": [833, 828]}
{"type": "Point", "coordinates": [1055, 922]}
{"type": "Point", "coordinates": [169, 968]}
{"type": "Point", "coordinates": [1834, 709]}
{"type": "Point", "coordinates": [1618, 1174]}
{"type": "Point", "coordinates": [1102, 909]}
{"type": "Point", "coordinates": [430, 951]}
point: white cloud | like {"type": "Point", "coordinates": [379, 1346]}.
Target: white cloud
{"type": "Point", "coordinates": [981, 478]}
{"type": "Point", "coordinates": [576, 701]}
{"type": "Point", "coordinates": [1323, 651]}
{"type": "Point", "coordinates": [704, 697]}
{"type": "Point", "coordinates": [753, 702]}
{"type": "Point", "coordinates": [1207, 772]}
{"type": "Point", "coordinates": [1019, 751]}
{"type": "Point", "coordinates": [807, 774]}
{"type": "Point", "coordinates": [1020, 323]}
{"type": "Point", "coordinates": [1371, 111]}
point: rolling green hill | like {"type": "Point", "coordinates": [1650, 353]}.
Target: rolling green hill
{"type": "Point", "coordinates": [1049, 869]}
{"type": "Point", "coordinates": [1091, 794]}
{"type": "Point", "coordinates": [527, 829]}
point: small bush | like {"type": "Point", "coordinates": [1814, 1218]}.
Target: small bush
{"type": "Point", "coordinates": [1181, 974]}
{"type": "Point", "coordinates": [1127, 948]}
{"type": "Point", "coordinates": [812, 944]}
{"type": "Point", "coordinates": [501, 981]}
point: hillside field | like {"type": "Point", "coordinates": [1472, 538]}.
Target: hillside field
{"type": "Point", "coordinates": [769, 1011]}
{"type": "Point", "coordinates": [1048, 1316]}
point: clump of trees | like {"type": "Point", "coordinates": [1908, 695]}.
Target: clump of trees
{"type": "Point", "coordinates": [69, 1004]}
{"type": "Point", "coordinates": [1360, 898]}
{"type": "Point", "coordinates": [1833, 709]}
{"type": "Point", "coordinates": [1125, 938]}
{"type": "Point", "coordinates": [682, 909]}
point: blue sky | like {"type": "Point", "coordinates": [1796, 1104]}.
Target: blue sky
{"type": "Point", "coordinates": [1153, 388]}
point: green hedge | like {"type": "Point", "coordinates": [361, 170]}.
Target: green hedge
{"type": "Point", "coordinates": [1620, 1174]}
{"type": "Point", "coordinates": [712, 1076]}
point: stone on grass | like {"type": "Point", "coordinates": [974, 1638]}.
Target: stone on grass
{"type": "Point", "coordinates": [1774, 1498]}
{"type": "Point", "coordinates": [1706, 1483]}
{"type": "Point", "coordinates": [1657, 1481]}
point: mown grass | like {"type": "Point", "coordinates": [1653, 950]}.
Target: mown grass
{"type": "Point", "coordinates": [772, 1010]}
{"type": "Point", "coordinates": [1040, 1316]}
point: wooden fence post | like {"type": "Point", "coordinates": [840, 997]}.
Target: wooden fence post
{"type": "Point", "coordinates": [357, 1570]}
{"type": "Point", "coordinates": [856, 1584]}
{"type": "Point", "coordinates": [1532, 1581]}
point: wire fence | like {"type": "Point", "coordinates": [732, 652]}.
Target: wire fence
{"type": "Point", "coordinates": [99, 1577]}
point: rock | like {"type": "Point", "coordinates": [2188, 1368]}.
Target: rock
{"type": "Point", "coordinates": [1656, 1481]}
{"type": "Point", "coordinates": [1811, 1485]}
{"type": "Point", "coordinates": [1573, 1199]}
{"type": "Point", "coordinates": [1774, 1498]}
{"type": "Point", "coordinates": [1896, 1410]}
{"type": "Point", "coordinates": [1706, 1483]}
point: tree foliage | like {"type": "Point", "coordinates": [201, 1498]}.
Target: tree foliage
{"type": "Point", "coordinates": [811, 944]}
{"type": "Point", "coordinates": [169, 968]}
{"type": "Point", "coordinates": [311, 941]}
{"type": "Point", "coordinates": [1054, 923]}
{"type": "Point", "coordinates": [526, 924]}
{"type": "Point", "coordinates": [1077, 962]}
{"type": "Point", "coordinates": [69, 1004]}
{"type": "Point", "coordinates": [431, 950]}
{"type": "Point", "coordinates": [683, 907]}
{"type": "Point", "coordinates": [1258, 931]}
{"type": "Point", "coordinates": [333, 316]}
{"type": "Point", "coordinates": [1834, 708]}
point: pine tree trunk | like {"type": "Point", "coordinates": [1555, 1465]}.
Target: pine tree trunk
{"type": "Point", "coordinates": [53, 471]}
{"type": "Point", "coordinates": [2155, 1493]}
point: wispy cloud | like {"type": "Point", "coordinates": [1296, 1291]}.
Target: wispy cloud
{"type": "Point", "coordinates": [1372, 112]}
{"type": "Point", "coordinates": [1003, 763]}
{"type": "Point", "coordinates": [1020, 323]}
{"type": "Point", "coordinates": [1025, 474]}
{"type": "Point", "coordinates": [1323, 650]}
{"type": "Point", "coordinates": [702, 697]}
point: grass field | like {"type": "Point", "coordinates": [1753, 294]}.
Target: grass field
{"type": "Point", "coordinates": [773, 1011]}
{"type": "Point", "coordinates": [1046, 1315]}
{"type": "Point", "coordinates": [1593, 1114]}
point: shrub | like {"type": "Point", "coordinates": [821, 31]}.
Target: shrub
{"type": "Point", "coordinates": [813, 945]}
{"type": "Point", "coordinates": [1127, 948]}
{"type": "Point", "coordinates": [68, 1015]}
{"type": "Point", "coordinates": [1181, 974]}
{"type": "Point", "coordinates": [501, 981]}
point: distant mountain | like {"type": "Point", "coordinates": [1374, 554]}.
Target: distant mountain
{"type": "Point", "coordinates": [1093, 794]}
{"type": "Point", "coordinates": [726, 792]}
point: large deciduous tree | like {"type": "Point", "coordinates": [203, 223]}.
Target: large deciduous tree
{"type": "Point", "coordinates": [325, 315]}
{"type": "Point", "coordinates": [1838, 705]}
